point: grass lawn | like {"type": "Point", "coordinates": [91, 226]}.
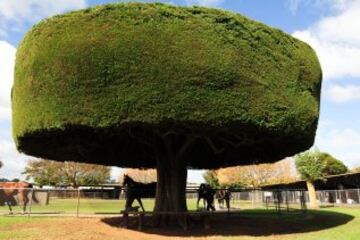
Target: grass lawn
{"type": "Point", "coordinates": [101, 206]}
{"type": "Point", "coordinates": [324, 224]}
{"type": "Point", "coordinates": [88, 206]}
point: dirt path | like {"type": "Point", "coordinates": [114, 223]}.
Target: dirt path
{"type": "Point", "coordinates": [225, 227]}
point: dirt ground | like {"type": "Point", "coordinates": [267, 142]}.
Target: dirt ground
{"type": "Point", "coordinates": [227, 227]}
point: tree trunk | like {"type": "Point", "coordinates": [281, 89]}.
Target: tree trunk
{"type": "Point", "coordinates": [170, 190]}
{"type": "Point", "coordinates": [171, 184]}
{"type": "Point", "coordinates": [312, 195]}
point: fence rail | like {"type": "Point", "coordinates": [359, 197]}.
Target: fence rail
{"type": "Point", "coordinates": [112, 201]}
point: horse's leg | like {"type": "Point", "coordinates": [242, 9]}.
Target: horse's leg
{"type": "Point", "coordinates": [129, 202]}
{"type": "Point", "coordinates": [10, 208]}
{"type": "Point", "coordinates": [141, 205]}
{"type": "Point", "coordinates": [26, 200]}
{"type": "Point", "coordinates": [197, 203]}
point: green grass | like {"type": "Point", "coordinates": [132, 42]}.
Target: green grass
{"type": "Point", "coordinates": [97, 206]}
{"type": "Point", "coordinates": [88, 206]}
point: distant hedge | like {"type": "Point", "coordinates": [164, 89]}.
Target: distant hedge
{"type": "Point", "coordinates": [159, 66]}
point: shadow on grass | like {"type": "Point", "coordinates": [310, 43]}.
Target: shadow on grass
{"type": "Point", "coordinates": [247, 222]}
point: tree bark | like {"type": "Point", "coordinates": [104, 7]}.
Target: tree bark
{"type": "Point", "coordinates": [312, 195]}
{"type": "Point", "coordinates": [171, 186]}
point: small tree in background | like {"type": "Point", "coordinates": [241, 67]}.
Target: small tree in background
{"type": "Point", "coordinates": [314, 165]}
{"type": "Point", "coordinates": [333, 166]}
{"type": "Point", "coordinates": [211, 178]}
{"type": "Point", "coordinates": [311, 168]}
{"type": "Point", "coordinates": [45, 172]}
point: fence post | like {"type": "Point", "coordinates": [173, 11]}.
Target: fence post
{"type": "Point", "coordinates": [78, 203]}
{"type": "Point", "coordinates": [30, 204]}
{"type": "Point", "coordinates": [358, 192]}
{"type": "Point", "coordinates": [287, 201]}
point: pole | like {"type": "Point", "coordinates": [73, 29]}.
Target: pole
{"type": "Point", "coordinates": [287, 201]}
{"type": "Point", "coordinates": [78, 203]}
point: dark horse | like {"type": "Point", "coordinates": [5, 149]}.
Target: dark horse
{"type": "Point", "coordinates": [15, 192]}
{"type": "Point", "coordinates": [224, 195]}
{"type": "Point", "coordinates": [136, 190]}
{"type": "Point", "coordinates": [206, 192]}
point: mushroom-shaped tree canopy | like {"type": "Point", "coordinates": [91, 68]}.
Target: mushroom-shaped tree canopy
{"type": "Point", "coordinates": [153, 85]}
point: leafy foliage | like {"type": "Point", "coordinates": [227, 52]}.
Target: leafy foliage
{"type": "Point", "coordinates": [257, 175]}
{"type": "Point", "coordinates": [139, 175]}
{"type": "Point", "coordinates": [310, 165]}
{"type": "Point", "coordinates": [314, 165]}
{"type": "Point", "coordinates": [211, 178]}
{"type": "Point", "coordinates": [46, 172]}
{"type": "Point", "coordinates": [158, 67]}
{"type": "Point", "coordinates": [333, 166]}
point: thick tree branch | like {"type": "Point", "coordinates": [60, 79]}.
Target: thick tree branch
{"type": "Point", "coordinates": [213, 147]}
{"type": "Point", "coordinates": [187, 144]}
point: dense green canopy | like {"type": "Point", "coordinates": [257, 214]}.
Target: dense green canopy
{"type": "Point", "coordinates": [95, 86]}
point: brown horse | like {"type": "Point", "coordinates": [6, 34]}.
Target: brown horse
{"type": "Point", "coordinates": [15, 192]}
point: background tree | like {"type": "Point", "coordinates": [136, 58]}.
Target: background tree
{"type": "Point", "coordinates": [210, 177]}
{"type": "Point", "coordinates": [314, 165]}
{"type": "Point", "coordinates": [333, 166]}
{"type": "Point", "coordinates": [227, 91]}
{"type": "Point", "coordinates": [139, 175]}
{"type": "Point", "coordinates": [355, 170]}
{"type": "Point", "coordinates": [257, 175]}
{"type": "Point", "coordinates": [46, 172]}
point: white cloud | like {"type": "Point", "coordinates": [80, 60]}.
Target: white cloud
{"type": "Point", "coordinates": [13, 14]}
{"type": "Point", "coordinates": [336, 40]}
{"type": "Point", "coordinates": [14, 163]}
{"type": "Point", "coordinates": [336, 5]}
{"type": "Point", "coordinates": [7, 63]}
{"type": "Point", "coordinates": [207, 3]}
{"type": "Point", "coordinates": [342, 94]}
{"type": "Point", "coordinates": [294, 5]}
{"type": "Point", "coordinates": [342, 143]}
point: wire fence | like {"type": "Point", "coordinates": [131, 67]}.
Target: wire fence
{"type": "Point", "coordinates": [111, 201]}
{"type": "Point", "coordinates": [348, 197]}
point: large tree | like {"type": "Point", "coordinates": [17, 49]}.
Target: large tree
{"type": "Point", "coordinates": [314, 165]}
{"type": "Point", "coordinates": [158, 86]}
{"type": "Point", "coordinates": [45, 172]}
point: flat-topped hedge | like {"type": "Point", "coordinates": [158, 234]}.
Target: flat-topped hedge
{"type": "Point", "coordinates": [106, 74]}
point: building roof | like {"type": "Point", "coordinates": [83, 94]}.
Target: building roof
{"type": "Point", "coordinates": [340, 181]}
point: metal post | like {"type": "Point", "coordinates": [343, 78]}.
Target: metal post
{"type": "Point", "coordinates": [78, 203]}
{"type": "Point", "coordinates": [287, 201]}
{"type": "Point", "coordinates": [358, 191]}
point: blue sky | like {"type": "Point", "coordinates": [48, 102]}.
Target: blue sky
{"type": "Point", "coordinates": [329, 26]}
